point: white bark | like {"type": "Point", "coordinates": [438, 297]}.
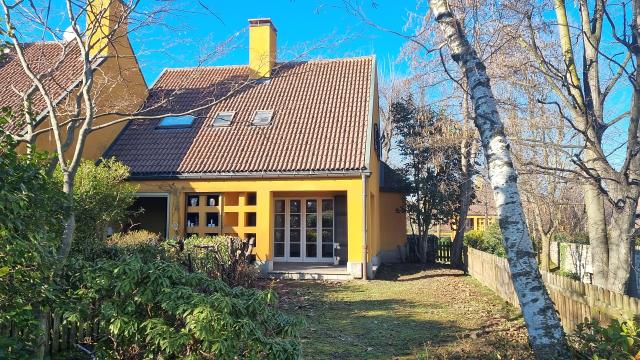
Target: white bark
{"type": "Point", "coordinates": [543, 324]}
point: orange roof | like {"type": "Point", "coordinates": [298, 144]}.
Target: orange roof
{"type": "Point", "coordinates": [321, 113]}
{"type": "Point", "coordinates": [59, 65]}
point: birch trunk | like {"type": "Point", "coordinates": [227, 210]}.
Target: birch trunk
{"type": "Point", "coordinates": [543, 324]}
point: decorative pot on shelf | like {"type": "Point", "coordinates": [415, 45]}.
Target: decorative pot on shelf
{"type": "Point", "coordinates": [194, 201]}
{"type": "Point", "coordinates": [212, 202]}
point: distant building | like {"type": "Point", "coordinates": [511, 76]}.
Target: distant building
{"type": "Point", "coordinates": [482, 213]}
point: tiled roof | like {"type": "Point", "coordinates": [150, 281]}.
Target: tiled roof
{"type": "Point", "coordinates": [61, 59]}
{"type": "Point", "coordinates": [483, 203]}
{"type": "Point", "coordinates": [321, 111]}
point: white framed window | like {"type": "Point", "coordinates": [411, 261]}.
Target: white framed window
{"type": "Point", "coordinates": [176, 122]}
{"type": "Point", "coordinates": [262, 117]}
{"type": "Point", "coordinates": [223, 118]}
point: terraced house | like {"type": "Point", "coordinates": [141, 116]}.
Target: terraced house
{"type": "Point", "coordinates": [286, 153]}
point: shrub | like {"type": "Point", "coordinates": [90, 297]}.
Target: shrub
{"type": "Point", "coordinates": [619, 340]}
{"type": "Point", "coordinates": [221, 257]}
{"type": "Point", "coordinates": [143, 243]}
{"type": "Point", "coordinates": [490, 240]}
{"type": "Point", "coordinates": [570, 274]}
{"type": "Point", "coordinates": [134, 238]}
{"type": "Point", "coordinates": [473, 238]}
{"type": "Point", "coordinates": [157, 309]}
{"type": "Point", "coordinates": [101, 198]}
{"type": "Point", "coordinates": [31, 209]}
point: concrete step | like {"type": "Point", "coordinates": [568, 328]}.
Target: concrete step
{"type": "Point", "coordinates": [296, 275]}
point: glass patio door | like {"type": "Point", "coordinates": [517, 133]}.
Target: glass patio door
{"type": "Point", "coordinates": [303, 230]}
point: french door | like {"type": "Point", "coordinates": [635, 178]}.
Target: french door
{"type": "Point", "coordinates": [303, 229]}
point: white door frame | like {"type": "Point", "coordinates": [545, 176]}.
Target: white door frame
{"type": "Point", "coordinates": [303, 230]}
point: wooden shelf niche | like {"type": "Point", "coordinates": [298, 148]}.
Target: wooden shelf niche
{"type": "Point", "coordinates": [204, 214]}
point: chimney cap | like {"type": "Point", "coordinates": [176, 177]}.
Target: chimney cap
{"type": "Point", "coordinates": [262, 22]}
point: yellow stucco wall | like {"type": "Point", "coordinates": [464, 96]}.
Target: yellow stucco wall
{"type": "Point", "coordinates": [393, 223]}
{"type": "Point", "coordinates": [476, 222]}
{"type": "Point", "coordinates": [118, 86]}
{"type": "Point", "coordinates": [266, 190]}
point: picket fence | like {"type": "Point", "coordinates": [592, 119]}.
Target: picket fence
{"type": "Point", "coordinates": [574, 300]}
{"type": "Point", "coordinates": [61, 336]}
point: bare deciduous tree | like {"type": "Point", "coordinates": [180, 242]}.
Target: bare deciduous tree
{"type": "Point", "coordinates": [545, 332]}
{"type": "Point", "coordinates": [584, 64]}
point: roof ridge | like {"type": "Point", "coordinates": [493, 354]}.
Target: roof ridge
{"type": "Point", "coordinates": [283, 62]}
{"type": "Point", "coordinates": [43, 42]}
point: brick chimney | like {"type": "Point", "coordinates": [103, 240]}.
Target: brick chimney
{"type": "Point", "coordinates": [106, 26]}
{"type": "Point", "coordinates": [262, 47]}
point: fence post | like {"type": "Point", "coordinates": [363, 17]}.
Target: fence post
{"type": "Point", "coordinates": [465, 260]}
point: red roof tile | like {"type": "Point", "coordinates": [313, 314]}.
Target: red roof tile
{"type": "Point", "coordinates": [320, 119]}
{"type": "Point", "coordinates": [58, 62]}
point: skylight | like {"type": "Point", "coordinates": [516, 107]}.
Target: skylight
{"type": "Point", "coordinates": [262, 117]}
{"type": "Point", "coordinates": [223, 118]}
{"type": "Point", "coordinates": [176, 122]}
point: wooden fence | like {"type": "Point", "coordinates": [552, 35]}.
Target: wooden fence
{"type": "Point", "coordinates": [574, 300]}
{"type": "Point", "coordinates": [61, 336]}
{"type": "Point", "coordinates": [443, 251]}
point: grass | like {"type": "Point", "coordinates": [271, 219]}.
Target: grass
{"type": "Point", "coordinates": [410, 313]}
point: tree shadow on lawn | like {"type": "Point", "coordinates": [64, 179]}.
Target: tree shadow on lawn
{"type": "Point", "coordinates": [412, 271]}
{"type": "Point", "coordinates": [370, 329]}
{"type": "Point", "coordinates": [345, 321]}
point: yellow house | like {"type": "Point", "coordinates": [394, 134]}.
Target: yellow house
{"type": "Point", "coordinates": [118, 82]}
{"type": "Point", "coordinates": [283, 152]}
{"type": "Point", "coordinates": [481, 214]}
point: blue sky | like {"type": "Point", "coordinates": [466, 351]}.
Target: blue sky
{"type": "Point", "coordinates": [301, 24]}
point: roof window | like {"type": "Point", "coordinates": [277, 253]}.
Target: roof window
{"type": "Point", "coordinates": [262, 117]}
{"type": "Point", "coordinates": [223, 118]}
{"type": "Point", "coordinates": [176, 122]}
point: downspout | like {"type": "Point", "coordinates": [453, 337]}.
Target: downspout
{"type": "Point", "coordinates": [364, 227]}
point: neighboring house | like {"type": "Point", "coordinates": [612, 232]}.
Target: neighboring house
{"type": "Point", "coordinates": [118, 83]}
{"type": "Point", "coordinates": [482, 213]}
{"type": "Point", "coordinates": [286, 153]}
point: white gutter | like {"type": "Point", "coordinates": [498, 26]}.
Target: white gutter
{"type": "Point", "coordinates": [253, 175]}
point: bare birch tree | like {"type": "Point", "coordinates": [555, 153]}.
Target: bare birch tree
{"type": "Point", "coordinates": [543, 324]}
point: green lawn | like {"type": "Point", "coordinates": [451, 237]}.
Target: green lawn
{"type": "Point", "coordinates": [410, 313]}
